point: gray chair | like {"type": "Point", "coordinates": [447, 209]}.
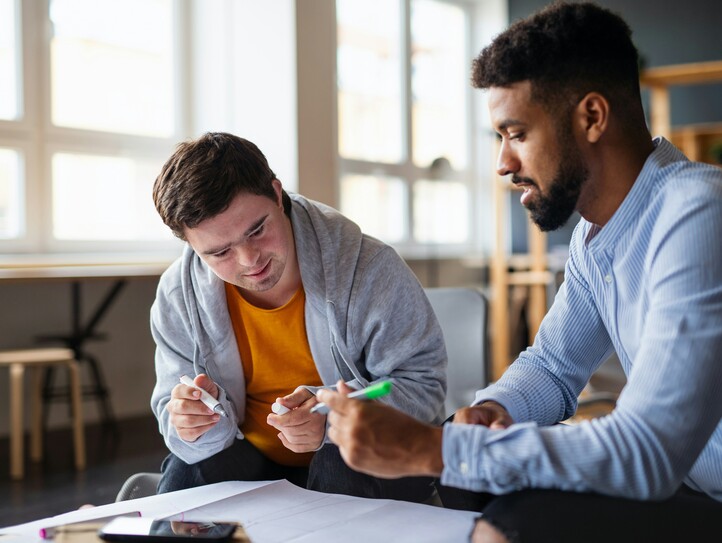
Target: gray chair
{"type": "Point", "coordinates": [138, 485]}
{"type": "Point", "coordinates": [462, 314]}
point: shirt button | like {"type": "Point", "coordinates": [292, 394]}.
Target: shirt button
{"type": "Point", "coordinates": [608, 278]}
{"type": "Point", "coordinates": [464, 468]}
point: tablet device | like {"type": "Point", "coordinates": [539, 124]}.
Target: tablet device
{"type": "Point", "coordinates": [148, 530]}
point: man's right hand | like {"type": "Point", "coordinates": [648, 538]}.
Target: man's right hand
{"type": "Point", "coordinates": [190, 416]}
{"type": "Point", "coordinates": [489, 414]}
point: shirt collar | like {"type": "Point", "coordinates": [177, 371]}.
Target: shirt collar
{"type": "Point", "coordinates": [638, 198]}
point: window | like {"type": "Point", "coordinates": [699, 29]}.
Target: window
{"type": "Point", "coordinates": [404, 122]}
{"type": "Point", "coordinates": [9, 107]}
{"type": "Point", "coordinates": [112, 68]}
{"type": "Point", "coordinates": [10, 199]}
{"type": "Point", "coordinates": [89, 111]}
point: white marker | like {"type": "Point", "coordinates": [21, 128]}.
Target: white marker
{"type": "Point", "coordinates": [279, 409]}
{"type": "Point", "coordinates": [206, 398]}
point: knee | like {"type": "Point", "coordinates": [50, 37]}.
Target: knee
{"type": "Point", "coordinates": [329, 473]}
{"type": "Point", "coordinates": [177, 475]}
{"type": "Point", "coordinates": [484, 532]}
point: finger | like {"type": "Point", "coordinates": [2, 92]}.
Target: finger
{"type": "Point", "coordinates": [343, 388]}
{"type": "Point", "coordinates": [326, 396]}
{"type": "Point", "coordinates": [194, 421]}
{"type": "Point", "coordinates": [335, 400]}
{"type": "Point", "coordinates": [295, 398]}
{"type": "Point", "coordinates": [191, 434]}
{"type": "Point", "coordinates": [500, 423]}
{"type": "Point", "coordinates": [298, 447]}
{"type": "Point", "coordinates": [207, 384]}
{"type": "Point", "coordinates": [189, 407]}
{"type": "Point", "coordinates": [463, 416]}
{"type": "Point", "coordinates": [297, 417]}
{"type": "Point", "coordinates": [298, 436]}
{"type": "Point", "coordinates": [185, 392]}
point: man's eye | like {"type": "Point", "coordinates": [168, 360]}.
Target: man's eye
{"type": "Point", "coordinates": [220, 254]}
{"type": "Point", "coordinates": [258, 231]}
{"type": "Point", "coordinates": [516, 136]}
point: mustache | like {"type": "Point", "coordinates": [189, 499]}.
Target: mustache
{"type": "Point", "coordinates": [518, 180]}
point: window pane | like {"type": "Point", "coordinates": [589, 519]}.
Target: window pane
{"type": "Point", "coordinates": [105, 198]}
{"type": "Point", "coordinates": [112, 66]}
{"type": "Point", "coordinates": [440, 75]}
{"type": "Point", "coordinates": [377, 204]}
{"type": "Point", "coordinates": [441, 212]}
{"type": "Point", "coordinates": [9, 107]}
{"type": "Point", "coordinates": [11, 220]}
{"type": "Point", "coordinates": [369, 80]}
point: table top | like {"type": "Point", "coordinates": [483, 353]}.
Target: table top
{"type": "Point", "coordinates": [22, 268]}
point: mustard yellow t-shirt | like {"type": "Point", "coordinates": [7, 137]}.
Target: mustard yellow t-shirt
{"type": "Point", "coordinates": [276, 359]}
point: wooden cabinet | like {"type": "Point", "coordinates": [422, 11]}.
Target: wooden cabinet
{"type": "Point", "coordinates": [531, 270]}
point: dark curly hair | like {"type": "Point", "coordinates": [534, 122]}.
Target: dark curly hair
{"type": "Point", "coordinates": [566, 50]}
{"type": "Point", "coordinates": [203, 176]}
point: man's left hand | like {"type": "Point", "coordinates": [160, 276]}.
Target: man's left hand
{"type": "Point", "coordinates": [299, 429]}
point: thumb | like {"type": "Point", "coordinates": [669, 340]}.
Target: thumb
{"type": "Point", "coordinates": [207, 384]}
{"type": "Point", "coordinates": [295, 398]}
{"type": "Point", "coordinates": [343, 388]}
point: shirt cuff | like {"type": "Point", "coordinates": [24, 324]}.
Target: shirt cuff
{"type": "Point", "coordinates": [461, 452]}
{"type": "Point", "coordinates": [506, 398]}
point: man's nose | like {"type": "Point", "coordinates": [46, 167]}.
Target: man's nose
{"type": "Point", "coordinates": [507, 161]}
{"type": "Point", "coordinates": [248, 255]}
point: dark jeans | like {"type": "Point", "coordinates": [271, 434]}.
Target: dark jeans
{"type": "Point", "coordinates": [327, 473]}
{"type": "Point", "coordinates": [561, 517]}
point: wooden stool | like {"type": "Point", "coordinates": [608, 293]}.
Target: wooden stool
{"type": "Point", "coordinates": [37, 359]}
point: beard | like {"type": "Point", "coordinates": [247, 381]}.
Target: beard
{"type": "Point", "coordinates": [551, 210]}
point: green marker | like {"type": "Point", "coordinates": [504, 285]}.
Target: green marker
{"type": "Point", "coordinates": [369, 393]}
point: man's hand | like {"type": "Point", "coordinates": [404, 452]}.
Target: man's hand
{"type": "Point", "coordinates": [190, 416]}
{"type": "Point", "coordinates": [380, 440]}
{"type": "Point", "coordinates": [299, 429]}
{"type": "Point", "coordinates": [489, 414]}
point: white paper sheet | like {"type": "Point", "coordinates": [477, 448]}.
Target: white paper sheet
{"type": "Point", "coordinates": [283, 512]}
{"type": "Point", "coordinates": [153, 506]}
{"type": "Point", "coordinates": [278, 511]}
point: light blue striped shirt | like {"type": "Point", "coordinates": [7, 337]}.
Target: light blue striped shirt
{"type": "Point", "coordinates": [647, 285]}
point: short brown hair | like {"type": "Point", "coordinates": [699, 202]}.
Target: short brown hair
{"type": "Point", "coordinates": [203, 176]}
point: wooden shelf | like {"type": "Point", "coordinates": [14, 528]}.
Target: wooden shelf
{"type": "Point", "coordinates": [659, 79]}
{"type": "Point", "coordinates": [698, 141]}
{"type": "Point", "coordinates": [682, 74]}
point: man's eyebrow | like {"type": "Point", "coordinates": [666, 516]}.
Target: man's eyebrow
{"type": "Point", "coordinates": [256, 225]}
{"type": "Point", "coordinates": [506, 123]}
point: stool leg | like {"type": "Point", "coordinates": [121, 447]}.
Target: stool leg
{"type": "Point", "coordinates": [78, 431]}
{"type": "Point", "coordinates": [47, 394]}
{"type": "Point", "coordinates": [17, 467]}
{"type": "Point", "coordinates": [99, 390]}
{"type": "Point", "coordinates": [36, 407]}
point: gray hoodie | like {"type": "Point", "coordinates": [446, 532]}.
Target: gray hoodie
{"type": "Point", "coordinates": [367, 318]}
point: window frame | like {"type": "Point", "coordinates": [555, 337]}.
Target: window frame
{"type": "Point", "coordinates": [406, 169]}
{"type": "Point", "coordinates": [35, 136]}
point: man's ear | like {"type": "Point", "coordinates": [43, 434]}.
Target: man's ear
{"type": "Point", "coordinates": [278, 189]}
{"type": "Point", "coordinates": [592, 116]}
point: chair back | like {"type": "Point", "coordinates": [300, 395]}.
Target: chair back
{"type": "Point", "coordinates": [139, 485]}
{"type": "Point", "coordinates": [462, 314]}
